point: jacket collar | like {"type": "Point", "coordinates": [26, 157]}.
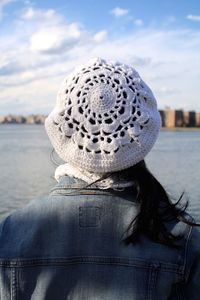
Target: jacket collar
{"type": "Point", "coordinates": [71, 186]}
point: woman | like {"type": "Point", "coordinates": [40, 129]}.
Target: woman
{"type": "Point", "coordinates": [107, 230]}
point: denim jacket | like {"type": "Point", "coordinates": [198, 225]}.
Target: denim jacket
{"type": "Point", "coordinates": [68, 246]}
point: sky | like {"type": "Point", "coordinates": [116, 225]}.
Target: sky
{"type": "Point", "coordinates": [41, 42]}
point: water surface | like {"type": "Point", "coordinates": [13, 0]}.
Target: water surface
{"type": "Point", "coordinates": [27, 172]}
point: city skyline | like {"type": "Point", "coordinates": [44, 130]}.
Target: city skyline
{"type": "Point", "coordinates": [169, 118]}
{"type": "Point", "coordinates": [41, 42]}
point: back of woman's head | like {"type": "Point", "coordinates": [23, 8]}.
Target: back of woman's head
{"type": "Point", "coordinates": [104, 123]}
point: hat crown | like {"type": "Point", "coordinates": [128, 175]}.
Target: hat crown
{"type": "Point", "coordinates": [104, 111]}
{"type": "Point", "coordinates": [101, 98]}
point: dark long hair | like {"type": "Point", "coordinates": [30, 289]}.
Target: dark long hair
{"type": "Point", "coordinates": [156, 209]}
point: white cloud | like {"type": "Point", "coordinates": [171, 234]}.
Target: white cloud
{"type": "Point", "coordinates": [195, 18]}
{"type": "Point", "coordinates": [55, 39]}
{"type": "Point", "coordinates": [100, 36]}
{"type": "Point", "coordinates": [138, 22]}
{"type": "Point", "coordinates": [45, 40]}
{"type": "Point", "coordinates": [48, 31]}
{"type": "Point", "coordinates": [31, 13]}
{"type": "Point", "coordinates": [119, 12]}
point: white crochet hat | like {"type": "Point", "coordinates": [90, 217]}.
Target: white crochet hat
{"type": "Point", "coordinates": [105, 118]}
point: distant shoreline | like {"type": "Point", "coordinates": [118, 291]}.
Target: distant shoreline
{"type": "Point", "coordinates": [18, 119]}
{"type": "Point", "coordinates": [181, 129]}
{"type": "Point", "coordinates": [172, 120]}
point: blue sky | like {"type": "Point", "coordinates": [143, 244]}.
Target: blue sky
{"type": "Point", "coordinates": [42, 41]}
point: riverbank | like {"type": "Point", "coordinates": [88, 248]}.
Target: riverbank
{"type": "Point", "coordinates": [15, 119]}
{"type": "Point", "coordinates": [172, 120]}
{"type": "Point", "coordinates": [180, 129]}
{"type": "Point", "coordinates": [41, 122]}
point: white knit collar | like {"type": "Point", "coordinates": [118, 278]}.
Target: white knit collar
{"type": "Point", "coordinates": [112, 182]}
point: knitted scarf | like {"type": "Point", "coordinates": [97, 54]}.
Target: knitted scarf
{"type": "Point", "coordinates": [94, 179]}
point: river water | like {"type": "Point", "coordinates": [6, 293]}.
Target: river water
{"type": "Point", "coordinates": [26, 170]}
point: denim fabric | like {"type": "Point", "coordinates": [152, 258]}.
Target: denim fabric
{"type": "Point", "coordinates": [68, 246]}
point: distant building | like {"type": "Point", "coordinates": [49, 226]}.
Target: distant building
{"type": "Point", "coordinates": [186, 120]}
{"type": "Point", "coordinates": [39, 119]}
{"type": "Point", "coordinates": [2, 119]}
{"type": "Point", "coordinates": [162, 115]}
{"type": "Point", "coordinates": [179, 118]}
{"type": "Point", "coordinates": [30, 119]}
{"type": "Point", "coordinates": [169, 118]}
{"type": "Point", "coordinates": [198, 119]}
{"type": "Point", "coordinates": [20, 119]}
{"type": "Point", "coordinates": [10, 119]}
{"type": "Point", "coordinates": [192, 118]}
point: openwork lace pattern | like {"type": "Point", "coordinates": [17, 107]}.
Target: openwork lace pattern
{"type": "Point", "coordinates": [103, 109]}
